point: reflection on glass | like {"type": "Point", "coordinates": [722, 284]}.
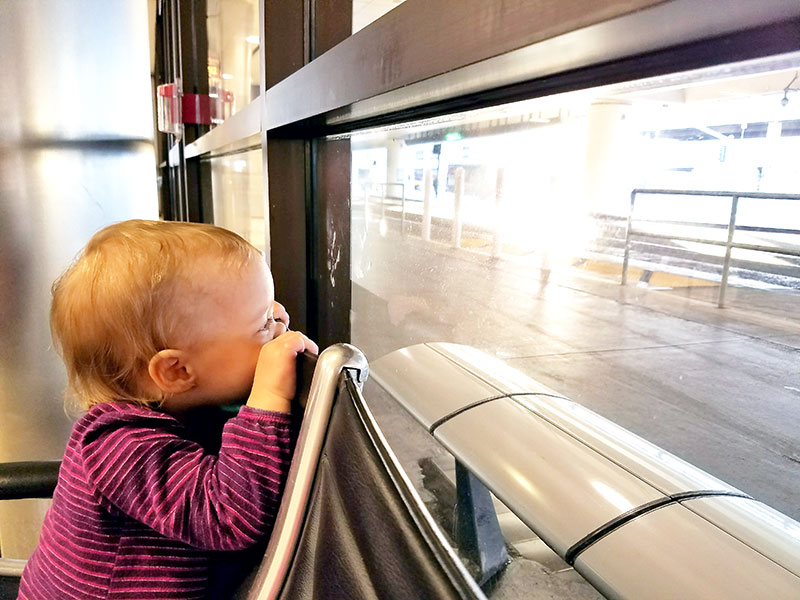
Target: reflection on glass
{"type": "Point", "coordinates": [367, 11]}
{"type": "Point", "coordinates": [238, 190]}
{"type": "Point", "coordinates": [234, 73]}
{"type": "Point", "coordinates": [506, 228]}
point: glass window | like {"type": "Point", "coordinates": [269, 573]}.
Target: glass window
{"type": "Point", "coordinates": [367, 11]}
{"type": "Point", "coordinates": [234, 73]}
{"type": "Point", "coordinates": [506, 229]}
{"type": "Point", "coordinates": [237, 183]}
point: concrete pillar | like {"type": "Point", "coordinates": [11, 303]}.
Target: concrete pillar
{"type": "Point", "coordinates": [459, 193]}
{"type": "Point", "coordinates": [774, 129]}
{"type": "Point", "coordinates": [611, 158]}
{"type": "Point", "coordinates": [394, 164]}
{"type": "Point", "coordinates": [775, 162]}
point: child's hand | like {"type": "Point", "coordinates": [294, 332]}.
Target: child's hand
{"type": "Point", "coordinates": [281, 318]}
{"type": "Point", "coordinates": [276, 372]}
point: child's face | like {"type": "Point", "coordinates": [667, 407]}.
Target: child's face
{"type": "Point", "coordinates": [233, 314]}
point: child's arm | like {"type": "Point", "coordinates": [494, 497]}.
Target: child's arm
{"type": "Point", "coordinates": [139, 464]}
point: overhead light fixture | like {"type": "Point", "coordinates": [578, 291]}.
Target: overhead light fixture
{"type": "Point", "coordinates": [253, 39]}
{"type": "Point", "coordinates": [227, 76]}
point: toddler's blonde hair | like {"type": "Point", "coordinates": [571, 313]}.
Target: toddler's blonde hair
{"type": "Point", "coordinates": [120, 302]}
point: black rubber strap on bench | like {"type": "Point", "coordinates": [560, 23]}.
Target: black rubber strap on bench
{"type": "Point", "coordinates": [572, 553]}
{"type": "Point", "coordinates": [20, 480]}
{"type": "Point", "coordinates": [472, 405]}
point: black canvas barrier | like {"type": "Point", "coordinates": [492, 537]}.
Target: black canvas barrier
{"type": "Point", "coordinates": [362, 537]}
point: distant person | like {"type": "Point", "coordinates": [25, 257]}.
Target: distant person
{"type": "Point", "coordinates": [154, 321]}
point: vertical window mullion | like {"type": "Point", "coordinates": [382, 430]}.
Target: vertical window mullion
{"type": "Point", "coordinates": [284, 50]}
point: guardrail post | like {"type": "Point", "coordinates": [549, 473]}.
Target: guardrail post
{"type": "Point", "coordinates": [628, 241]}
{"type": "Point", "coordinates": [459, 193]}
{"type": "Point", "coordinates": [426, 205]}
{"type": "Point", "coordinates": [367, 187]}
{"type": "Point", "coordinates": [477, 530]}
{"type": "Point", "coordinates": [728, 246]}
{"type": "Point", "coordinates": [497, 247]}
{"type": "Point", "coordinates": [403, 209]}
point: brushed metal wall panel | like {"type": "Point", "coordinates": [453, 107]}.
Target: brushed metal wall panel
{"type": "Point", "coordinates": [76, 154]}
{"type": "Point", "coordinates": [77, 70]}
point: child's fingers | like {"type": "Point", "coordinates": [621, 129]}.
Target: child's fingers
{"type": "Point", "coordinates": [310, 345]}
{"type": "Point", "coordinates": [296, 342]}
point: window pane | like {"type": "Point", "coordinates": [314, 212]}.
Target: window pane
{"type": "Point", "coordinates": [505, 229]}
{"type": "Point", "coordinates": [234, 73]}
{"type": "Point", "coordinates": [238, 190]}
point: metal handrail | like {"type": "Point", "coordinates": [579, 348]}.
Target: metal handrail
{"type": "Point", "coordinates": [384, 187]}
{"type": "Point", "coordinates": [288, 523]}
{"type": "Point", "coordinates": [12, 567]}
{"type": "Point", "coordinates": [729, 244]}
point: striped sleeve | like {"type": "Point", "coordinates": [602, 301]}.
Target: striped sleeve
{"type": "Point", "coordinates": [140, 464]}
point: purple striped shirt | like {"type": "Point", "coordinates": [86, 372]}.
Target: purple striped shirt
{"type": "Point", "coordinates": [139, 508]}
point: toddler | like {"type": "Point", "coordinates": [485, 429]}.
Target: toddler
{"type": "Point", "coordinates": [155, 320]}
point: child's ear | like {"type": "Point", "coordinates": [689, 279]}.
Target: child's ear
{"type": "Point", "coordinates": [171, 372]}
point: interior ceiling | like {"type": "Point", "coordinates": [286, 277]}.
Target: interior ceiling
{"type": "Point", "coordinates": [749, 92]}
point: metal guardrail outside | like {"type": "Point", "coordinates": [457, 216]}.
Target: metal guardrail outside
{"type": "Point", "coordinates": [729, 244]}
{"type": "Point", "coordinates": [384, 196]}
